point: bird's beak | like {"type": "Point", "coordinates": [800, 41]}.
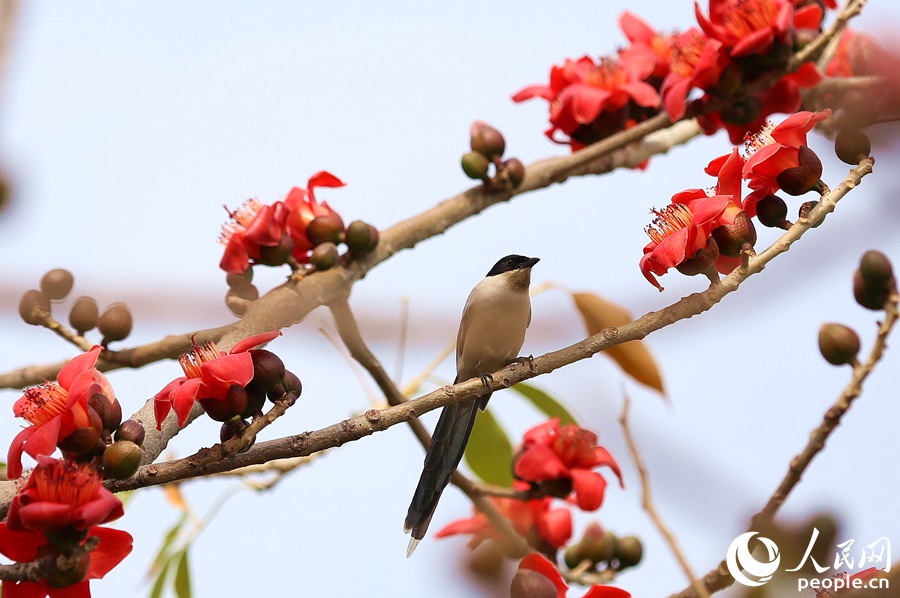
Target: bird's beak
{"type": "Point", "coordinates": [532, 261]}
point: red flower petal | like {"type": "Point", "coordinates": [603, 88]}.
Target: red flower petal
{"type": "Point", "coordinates": [589, 488]}
{"type": "Point", "coordinates": [43, 440]}
{"type": "Point", "coordinates": [77, 365]}
{"type": "Point", "coordinates": [235, 260]}
{"type": "Point", "coordinates": [555, 527]}
{"type": "Point", "coordinates": [542, 433]}
{"type": "Point", "coordinates": [20, 546]}
{"type": "Point", "coordinates": [635, 28]}
{"type": "Point", "coordinates": [220, 374]}
{"type": "Point", "coordinates": [539, 564]}
{"type": "Point", "coordinates": [472, 525]}
{"type": "Point", "coordinates": [114, 546]}
{"type": "Point", "coordinates": [254, 341]}
{"type": "Point", "coordinates": [14, 455]}
{"type": "Point", "coordinates": [104, 508]}
{"type": "Point", "coordinates": [599, 591]}
{"type": "Point", "coordinates": [323, 178]}
{"type": "Point", "coordinates": [263, 230]}
{"type": "Point", "coordinates": [540, 463]}
{"type": "Point", "coordinates": [183, 399]}
{"type": "Point", "coordinates": [43, 515]}
{"type": "Point", "coordinates": [603, 457]}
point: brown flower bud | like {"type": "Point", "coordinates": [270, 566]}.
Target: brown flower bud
{"type": "Point", "coordinates": [268, 368]}
{"type": "Point", "coordinates": [34, 307]}
{"type": "Point", "coordinates": [851, 146]}
{"type": "Point", "coordinates": [324, 256]}
{"type": "Point", "coordinates": [57, 283]}
{"type": "Point", "coordinates": [629, 552]}
{"type": "Point", "coordinates": [234, 403]}
{"type": "Point", "coordinates": [132, 431]}
{"type": "Point", "coordinates": [803, 178]}
{"type": "Point", "coordinates": [772, 211]}
{"type": "Point", "coordinates": [325, 229]}
{"type": "Point", "coordinates": [475, 165]}
{"type": "Point", "coordinates": [531, 584]}
{"type": "Point", "coordinates": [838, 344]}
{"type": "Point", "coordinates": [876, 268]}
{"type": "Point", "coordinates": [598, 548]}
{"type": "Point", "coordinates": [515, 170]}
{"type": "Point", "coordinates": [486, 140]}
{"type": "Point", "coordinates": [731, 238]}
{"type": "Point", "coordinates": [869, 296]}
{"type": "Point", "coordinates": [83, 440]}
{"type": "Point", "coordinates": [121, 460]}
{"type": "Point", "coordinates": [115, 322]}
{"type": "Point", "coordinates": [84, 314]}
{"type": "Point", "coordinates": [703, 260]}
{"type": "Point", "coordinates": [276, 255]}
{"type": "Point", "coordinates": [108, 408]}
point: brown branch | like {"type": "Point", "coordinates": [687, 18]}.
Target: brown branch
{"type": "Point", "coordinates": [375, 420]}
{"type": "Point", "coordinates": [719, 578]}
{"type": "Point", "coordinates": [43, 567]}
{"type": "Point", "coordinates": [815, 48]}
{"type": "Point", "coordinates": [650, 506]}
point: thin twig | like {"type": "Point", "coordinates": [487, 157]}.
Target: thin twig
{"type": "Point", "coordinates": [650, 506]}
{"type": "Point", "coordinates": [719, 578]}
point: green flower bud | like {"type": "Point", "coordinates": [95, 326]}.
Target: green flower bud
{"type": "Point", "coordinates": [475, 165]}
{"type": "Point", "coordinates": [629, 552]}
{"type": "Point", "coordinates": [121, 460]}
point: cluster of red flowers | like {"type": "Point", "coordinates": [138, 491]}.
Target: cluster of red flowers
{"type": "Point", "coordinates": [737, 58]}
{"type": "Point", "coordinates": [58, 508]}
{"type": "Point", "coordinates": [228, 385]}
{"type": "Point", "coordinates": [289, 230]}
{"type": "Point", "coordinates": [702, 231]}
{"type": "Point", "coordinates": [554, 461]}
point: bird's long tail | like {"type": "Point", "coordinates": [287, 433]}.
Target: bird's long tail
{"type": "Point", "coordinates": [448, 444]}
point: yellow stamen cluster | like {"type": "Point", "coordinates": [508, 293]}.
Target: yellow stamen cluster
{"type": "Point", "coordinates": [240, 220]}
{"type": "Point", "coordinates": [609, 74]}
{"type": "Point", "coordinates": [674, 217]}
{"type": "Point", "coordinates": [686, 54]}
{"type": "Point", "coordinates": [748, 16]}
{"type": "Point", "coordinates": [190, 361]}
{"type": "Point", "coordinates": [42, 403]}
{"type": "Point", "coordinates": [66, 482]}
{"type": "Point", "coordinates": [756, 141]}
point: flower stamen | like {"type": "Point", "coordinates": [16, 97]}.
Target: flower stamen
{"type": "Point", "coordinates": [674, 217]}
{"type": "Point", "coordinates": [40, 404]}
{"type": "Point", "coordinates": [240, 219]}
{"type": "Point", "coordinates": [191, 361]}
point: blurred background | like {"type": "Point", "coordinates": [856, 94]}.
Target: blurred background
{"type": "Point", "coordinates": [127, 127]}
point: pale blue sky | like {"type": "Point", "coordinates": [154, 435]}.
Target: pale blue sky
{"type": "Point", "coordinates": [127, 127]}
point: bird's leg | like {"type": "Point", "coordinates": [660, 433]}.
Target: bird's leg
{"type": "Point", "coordinates": [529, 361]}
{"type": "Point", "coordinates": [486, 379]}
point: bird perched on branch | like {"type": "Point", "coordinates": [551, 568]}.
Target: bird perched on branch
{"type": "Point", "coordinates": [491, 332]}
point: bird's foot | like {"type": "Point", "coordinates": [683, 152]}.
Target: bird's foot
{"type": "Point", "coordinates": [486, 379]}
{"type": "Point", "coordinates": [529, 361]}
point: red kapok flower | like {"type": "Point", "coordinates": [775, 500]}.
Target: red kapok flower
{"type": "Point", "coordinates": [679, 234]}
{"type": "Point", "coordinates": [58, 409]}
{"type": "Point", "coordinates": [568, 454]}
{"type": "Point", "coordinates": [533, 519]}
{"type": "Point", "coordinates": [255, 232]}
{"type": "Point", "coordinates": [858, 54]}
{"type": "Point", "coordinates": [748, 27]}
{"type": "Point", "coordinates": [62, 494]}
{"type": "Point", "coordinates": [209, 374]}
{"type": "Point", "coordinates": [778, 157]}
{"type": "Point", "coordinates": [639, 33]}
{"type": "Point", "coordinates": [538, 563]}
{"type": "Point", "coordinates": [26, 546]}
{"type": "Point", "coordinates": [589, 101]}
{"type": "Point", "coordinates": [303, 208]}
{"type": "Point", "coordinates": [697, 61]}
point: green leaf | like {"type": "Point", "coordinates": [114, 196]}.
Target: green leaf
{"type": "Point", "coordinates": [161, 560]}
{"type": "Point", "coordinates": [489, 452]}
{"type": "Point", "coordinates": [159, 584]}
{"type": "Point", "coordinates": [183, 577]}
{"type": "Point", "coordinates": [545, 403]}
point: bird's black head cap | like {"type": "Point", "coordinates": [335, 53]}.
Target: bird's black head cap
{"type": "Point", "coordinates": [512, 262]}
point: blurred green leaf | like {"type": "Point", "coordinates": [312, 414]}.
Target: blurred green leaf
{"type": "Point", "coordinates": [161, 560]}
{"type": "Point", "coordinates": [159, 584]}
{"type": "Point", "coordinates": [183, 577]}
{"type": "Point", "coordinates": [545, 403]}
{"type": "Point", "coordinates": [489, 452]}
